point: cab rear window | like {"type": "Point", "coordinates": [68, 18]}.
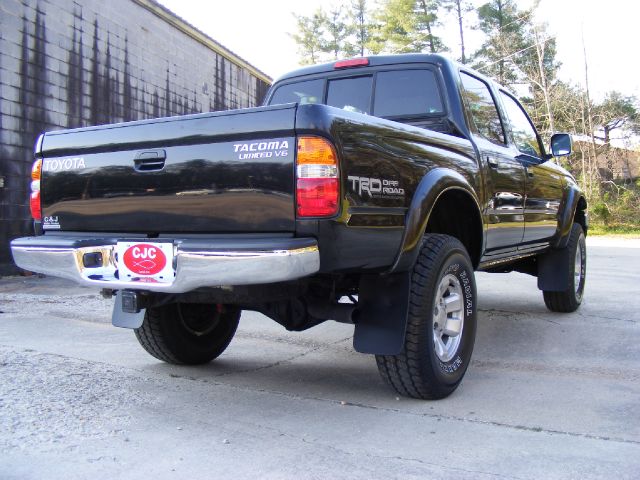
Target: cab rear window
{"type": "Point", "coordinates": [387, 94]}
{"type": "Point", "coordinates": [407, 92]}
{"type": "Point", "coordinates": [310, 91]}
{"type": "Point", "coordinates": [353, 94]}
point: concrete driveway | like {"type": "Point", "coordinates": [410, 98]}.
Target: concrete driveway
{"type": "Point", "coordinates": [546, 396]}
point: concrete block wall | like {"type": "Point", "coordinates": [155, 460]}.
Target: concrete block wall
{"type": "Point", "coordinates": [66, 64]}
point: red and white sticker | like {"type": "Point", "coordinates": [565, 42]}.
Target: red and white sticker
{"type": "Point", "coordinates": [137, 261]}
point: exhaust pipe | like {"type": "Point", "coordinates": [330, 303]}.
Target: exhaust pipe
{"type": "Point", "coordinates": [339, 312]}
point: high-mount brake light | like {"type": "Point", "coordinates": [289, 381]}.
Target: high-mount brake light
{"type": "Point", "coordinates": [34, 200]}
{"type": "Point", "coordinates": [317, 183]}
{"type": "Point", "coordinates": [354, 62]}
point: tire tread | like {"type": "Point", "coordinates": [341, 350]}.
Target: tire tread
{"type": "Point", "coordinates": [404, 372]}
{"type": "Point", "coordinates": [150, 337]}
{"type": "Point", "coordinates": [158, 336]}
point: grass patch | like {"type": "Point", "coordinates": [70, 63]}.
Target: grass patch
{"type": "Point", "coordinates": [616, 230]}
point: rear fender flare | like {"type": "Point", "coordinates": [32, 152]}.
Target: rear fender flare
{"type": "Point", "coordinates": [382, 319]}
{"type": "Point", "coordinates": [429, 190]}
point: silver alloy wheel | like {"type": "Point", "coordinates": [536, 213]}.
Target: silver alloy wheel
{"type": "Point", "coordinates": [577, 270]}
{"type": "Point", "coordinates": [448, 317]}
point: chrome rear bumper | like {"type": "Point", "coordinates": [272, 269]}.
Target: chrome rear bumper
{"type": "Point", "coordinates": [197, 262]}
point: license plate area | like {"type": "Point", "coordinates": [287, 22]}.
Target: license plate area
{"type": "Point", "coordinates": [145, 262]}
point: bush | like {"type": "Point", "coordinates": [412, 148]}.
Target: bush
{"type": "Point", "coordinates": [618, 206]}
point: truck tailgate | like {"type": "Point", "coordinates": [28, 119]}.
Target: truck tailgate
{"type": "Point", "coordinates": [216, 172]}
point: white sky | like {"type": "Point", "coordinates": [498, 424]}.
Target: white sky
{"type": "Point", "coordinates": [257, 30]}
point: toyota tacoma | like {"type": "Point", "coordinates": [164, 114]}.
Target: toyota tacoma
{"type": "Point", "coordinates": [366, 191]}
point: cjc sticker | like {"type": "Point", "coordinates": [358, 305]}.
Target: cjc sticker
{"type": "Point", "coordinates": [144, 259]}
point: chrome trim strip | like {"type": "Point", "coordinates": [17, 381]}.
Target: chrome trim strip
{"type": "Point", "coordinates": [194, 269]}
{"type": "Point", "coordinates": [500, 261]}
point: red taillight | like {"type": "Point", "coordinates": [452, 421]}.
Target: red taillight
{"type": "Point", "coordinates": [317, 184]}
{"type": "Point", "coordinates": [354, 62]}
{"type": "Point", "coordinates": [317, 197]}
{"type": "Point", "coordinates": [34, 206]}
{"type": "Point", "coordinates": [34, 200]}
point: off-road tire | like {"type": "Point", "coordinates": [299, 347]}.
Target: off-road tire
{"type": "Point", "coordinates": [418, 371]}
{"type": "Point", "coordinates": [569, 300]}
{"type": "Point", "coordinates": [188, 333]}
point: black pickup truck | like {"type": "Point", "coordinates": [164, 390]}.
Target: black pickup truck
{"type": "Point", "coordinates": [365, 191]}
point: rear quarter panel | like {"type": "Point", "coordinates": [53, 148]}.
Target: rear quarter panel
{"type": "Point", "coordinates": [381, 165]}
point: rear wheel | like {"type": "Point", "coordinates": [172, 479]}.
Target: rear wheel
{"type": "Point", "coordinates": [188, 333]}
{"type": "Point", "coordinates": [441, 324]}
{"type": "Point", "coordinates": [574, 265]}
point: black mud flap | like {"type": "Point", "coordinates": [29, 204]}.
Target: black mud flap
{"type": "Point", "coordinates": [123, 318]}
{"type": "Point", "coordinates": [552, 276]}
{"type": "Point", "coordinates": [383, 302]}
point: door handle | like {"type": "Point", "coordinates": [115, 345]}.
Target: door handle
{"type": "Point", "coordinates": [493, 162]}
{"type": "Point", "coordinates": [150, 160]}
{"type": "Point", "coordinates": [530, 173]}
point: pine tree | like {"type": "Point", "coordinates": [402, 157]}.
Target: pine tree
{"type": "Point", "coordinates": [459, 8]}
{"type": "Point", "coordinates": [310, 36]}
{"type": "Point", "coordinates": [338, 32]}
{"type": "Point", "coordinates": [360, 27]}
{"type": "Point", "coordinates": [426, 12]}
{"type": "Point", "coordinates": [504, 28]}
{"type": "Point", "coordinates": [406, 26]}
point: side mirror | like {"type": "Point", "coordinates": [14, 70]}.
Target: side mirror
{"type": "Point", "coordinates": [560, 144]}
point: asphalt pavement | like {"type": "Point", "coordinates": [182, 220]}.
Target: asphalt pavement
{"type": "Point", "coordinates": [546, 396]}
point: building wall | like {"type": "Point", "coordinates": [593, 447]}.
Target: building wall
{"type": "Point", "coordinates": [66, 64]}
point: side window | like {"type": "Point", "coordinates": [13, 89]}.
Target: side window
{"type": "Point", "coordinates": [483, 111]}
{"type": "Point", "coordinates": [524, 135]}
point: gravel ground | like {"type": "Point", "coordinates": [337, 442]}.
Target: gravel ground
{"type": "Point", "coordinates": [88, 401]}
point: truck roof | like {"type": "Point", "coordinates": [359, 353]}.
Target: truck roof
{"type": "Point", "coordinates": [374, 60]}
{"type": "Point", "coordinates": [380, 60]}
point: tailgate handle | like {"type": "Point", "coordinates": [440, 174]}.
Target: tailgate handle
{"type": "Point", "coordinates": [150, 160]}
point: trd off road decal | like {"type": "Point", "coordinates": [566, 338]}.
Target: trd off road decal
{"type": "Point", "coordinates": [375, 187]}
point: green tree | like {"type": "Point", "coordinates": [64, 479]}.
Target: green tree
{"type": "Point", "coordinates": [407, 26]}
{"type": "Point", "coordinates": [338, 32]}
{"type": "Point", "coordinates": [519, 51]}
{"type": "Point", "coordinates": [426, 12]}
{"type": "Point", "coordinates": [459, 8]}
{"type": "Point", "coordinates": [394, 23]}
{"type": "Point", "coordinates": [360, 28]}
{"type": "Point", "coordinates": [504, 28]}
{"type": "Point", "coordinates": [310, 36]}
{"type": "Point", "coordinates": [537, 62]}
{"type": "Point", "coordinates": [617, 111]}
